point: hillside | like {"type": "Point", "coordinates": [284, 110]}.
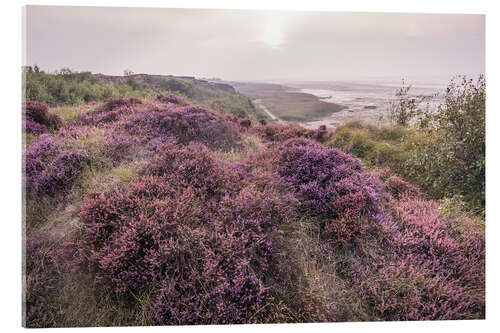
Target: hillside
{"type": "Point", "coordinates": [68, 88]}
{"type": "Point", "coordinates": [155, 211]}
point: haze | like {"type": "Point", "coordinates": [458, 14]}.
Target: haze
{"type": "Point", "coordinates": [254, 45]}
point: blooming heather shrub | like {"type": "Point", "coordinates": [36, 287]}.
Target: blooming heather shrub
{"type": "Point", "coordinates": [135, 100]}
{"type": "Point", "coordinates": [425, 271]}
{"type": "Point", "coordinates": [241, 169]}
{"type": "Point", "coordinates": [281, 133]}
{"type": "Point", "coordinates": [106, 116]}
{"type": "Point", "coordinates": [31, 126]}
{"type": "Point", "coordinates": [204, 258]}
{"type": "Point", "coordinates": [105, 145]}
{"type": "Point", "coordinates": [409, 291]}
{"type": "Point", "coordinates": [190, 123]}
{"type": "Point", "coordinates": [50, 167]}
{"type": "Point", "coordinates": [41, 280]}
{"type": "Point", "coordinates": [172, 99]}
{"type": "Point", "coordinates": [118, 146]}
{"type": "Point", "coordinates": [331, 185]}
{"type": "Point", "coordinates": [37, 112]}
{"type": "Point", "coordinates": [194, 166]}
{"type": "Point", "coordinates": [400, 188]}
{"type": "Point", "coordinates": [113, 103]}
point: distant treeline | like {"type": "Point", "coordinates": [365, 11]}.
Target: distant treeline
{"type": "Point", "coordinates": [66, 87]}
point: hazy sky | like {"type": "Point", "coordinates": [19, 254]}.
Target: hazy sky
{"type": "Point", "coordinates": [254, 45]}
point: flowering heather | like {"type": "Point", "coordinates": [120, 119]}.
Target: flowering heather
{"type": "Point", "coordinates": [113, 103]}
{"type": "Point", "coordinates": [189, 123]}
{"type": "Point", "coordinates": [241, 169]}
{"type": "Point", "coordinates": [193, 166]}
{"type": "Point", "coordinates": [423, 273]}
{"type": "Point", "coordinates": [50, 167]}
{"type": "Point", "coordinates": [172, 99]}
{"type": "Point", "coordinates": [203, 256]}
{"type": "Point", "coordinates": [106, 116]}
{"type": "Point", "coordinates": [195, 219]}
{"type": "Point", "coordinates": [38, 119]}
{"type": "Point", "coordinates": [331, 185]}
{"type": "Point", "coordinates": [400, 188]}
{"type": "Point", "coordinates": [107, 143]}
{"type": "Point", "coordinates": [31, 126]}
{"type": "Point", "coordinates": [135, 101]}
{"type": "Point", "coordinates": [281, 133]}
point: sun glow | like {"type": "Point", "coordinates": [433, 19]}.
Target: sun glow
{"type": "Point", "coordinates": [273, 33]}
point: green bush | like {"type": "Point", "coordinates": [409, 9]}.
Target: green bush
{"type": "Point", "coordinates": [377, 146]}
{"type": "Point", "coordinates": [449, 158]}
{"type": "Point", "coordinates": [445, 155]}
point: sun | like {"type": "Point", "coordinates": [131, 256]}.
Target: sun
{"type": "Point", "coordinates": [273, 33]}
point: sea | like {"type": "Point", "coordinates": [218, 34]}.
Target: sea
{"type": "Point", "coordinates": [368, 101]}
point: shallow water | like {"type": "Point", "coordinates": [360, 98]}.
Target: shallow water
{"type": "Point", "coordinates": [362, 101]}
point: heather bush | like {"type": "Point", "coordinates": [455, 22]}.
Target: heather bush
{"type": "Point", "coordinates": [38, 119]}
{"type": "Point", "coordinates": [113, 103]}
{"type": "Point", "coordinates": [425, 270]}
{"type": "Point", "coordinates": [184, 232]}
{"type": "Point", "coordinates": [401, 189]}
{"type": "Point", "coordinates": [331, 185]}
{"type": "Point", "coordinates": [106, 116]}
{"type": "Point", "coordinates": [105, 146]}
{"type": "Point", "coordinates": [172, 99]}
{"type": "Point", "coordinates": [33, 127]}
{"type": "Point", "coordinates": [245, 123]}
{"type": "Point", "coordinates": [270, 226]}
{"type": "Point", "coordinates": [281, 133]}
{"type": "Point", "coordinates": [51, 168]}
{"type": "Point", "coordinates": [241, 169]}
{"type": "Point", "coordinates": [190, 123]}
{"type": "Point", "coordinates": [135, 101]}
{"type": "Point", "coordinates": [194, 166]}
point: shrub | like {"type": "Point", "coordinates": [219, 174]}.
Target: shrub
{"type": "Point", "coordinates": [190, 123]}
{"type": "Point", "coordinates": [104, 145]}
{"type": "Point", "coordinates": [135, 100]}
{"type": "Point", "coordinates": [205, 259]}
{"type": "Point", "coordinates": [451, 152]}
{"type": "Point", "coordinates": [331, 185]}
{"type": "Point", "coordinates": [426, 272]}
{"type": "Point", "coordinates": [400, 188]}
{"type": "Point", "coordinates": [194, 166]}
{"type": "Point", "coordinates": [446, 155]}
{"type": "Point", "coordinates": [31, 126]}
{"type": "Point", "coordinates": [37, 117]}
{"type": "Point", "coordinates": [113, 103]}
{"type": "Point", "coordinates": [281, 133]}
{"type": "Point", "coordinates": [172, 99]}
{"type": "Point", "coordinates": [103, 115]}
{"type": "Point", "coordinates": [405, 107]}
{"type": "Point", "coordinates": [50, 167]}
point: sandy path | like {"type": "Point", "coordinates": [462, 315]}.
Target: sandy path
{"type": "Point", "coordinates": [266, 110]}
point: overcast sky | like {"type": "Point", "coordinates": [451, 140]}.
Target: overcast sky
{"type": "Point", "coordinates": [255, 45]}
